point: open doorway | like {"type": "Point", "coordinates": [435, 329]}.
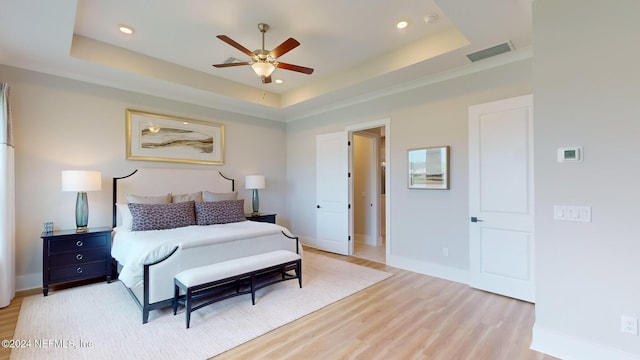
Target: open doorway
{"type": "Point", "coordinates": [368, 164]}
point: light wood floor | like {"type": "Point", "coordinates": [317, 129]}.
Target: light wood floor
{"type": "Point", "coordinates": [370, 252]}
{"type": "Point", "coordinates": [407, 316]}
{"type": "Point", "coordinates": [8, 320]}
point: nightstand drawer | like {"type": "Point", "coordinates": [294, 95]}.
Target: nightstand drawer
{"type": "Point", "coordinates": [80, 271]}
{"type": "Point", "coordinates": [270, 218]}
{"type": "Point", "coordinates": [77, 257]}
{"type": "Point", "coordinates": [75, 243]}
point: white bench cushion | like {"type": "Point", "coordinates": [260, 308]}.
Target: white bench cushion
{"type": "Point", "coordinates": [230, 268]}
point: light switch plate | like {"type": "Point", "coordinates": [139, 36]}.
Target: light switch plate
{"type": "Point", "coordinates": [572, 213]}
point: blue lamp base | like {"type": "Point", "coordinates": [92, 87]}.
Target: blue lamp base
{"type": "Point", "coordinates": [82, 212]}
{"type": "Point", "coordinates": [255, 203]}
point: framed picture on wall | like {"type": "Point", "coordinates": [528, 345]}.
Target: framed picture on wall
{"type": "Point", "coordinates": [429, 168]}
{"type": "Point", "coordinates": [156, 137]}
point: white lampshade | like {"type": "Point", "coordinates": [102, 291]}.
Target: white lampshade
{"type": "Point", "coordinates": [254, 182]}
{"type": "Point", "coordinates": [81, 180]}
{"type": "Point", "coordinates": [263, 68]}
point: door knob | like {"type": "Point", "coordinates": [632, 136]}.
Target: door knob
{"type": "Point", "coordinates": [475, 219]}
{"type": "Point", "coordinates": [318, 206]}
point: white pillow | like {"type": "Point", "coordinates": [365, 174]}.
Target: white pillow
{"type": "Point", "coordinates": [125, 216]}
{"type": "Point", "coordinates": [211, 196]}
{"type": "Point", "coordinates": [196, 196]}
{"type": "Point", "coordinates": [143, 199]}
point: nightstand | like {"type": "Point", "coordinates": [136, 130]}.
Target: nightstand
{"type": "Point", "coordinates": [270, 218]}
{"type": "Point", "coordinates": [68, 256]}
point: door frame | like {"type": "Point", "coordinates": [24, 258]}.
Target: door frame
{"type": "Point", "coordinates": [372, 186]}
{"type": "Point", "coordinates": [386, 123]}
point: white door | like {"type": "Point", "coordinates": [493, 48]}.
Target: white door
{"type": "Point", "coordinates": [332, 194]}
{"type": "Point", "coordinates": [501, 197]}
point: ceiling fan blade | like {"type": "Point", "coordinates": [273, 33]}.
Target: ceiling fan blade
{"type": "Point", "coordinates": [266, 79]}
{"type": "Point", "coordinates": [297, 68]}
{"type": "Point", "coordinates": [231, 42]}
{"type": "Point", "coordinates": [232, 64]}
{"type": "Point", "coordinates": [284, 48]}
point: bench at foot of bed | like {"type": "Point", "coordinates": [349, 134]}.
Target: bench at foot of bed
{"type": "Point", "coordinates": [205, 280]}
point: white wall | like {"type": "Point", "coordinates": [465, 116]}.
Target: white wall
{"type": "Point", "coordinates": [586, 90]}
{"type": "Point", "coordinates": [65, 124]}
{"type": "Point", "coordinates": [422, 221]}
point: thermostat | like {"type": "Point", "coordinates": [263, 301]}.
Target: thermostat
{"type": "Point", "coordinates": [570, 154]}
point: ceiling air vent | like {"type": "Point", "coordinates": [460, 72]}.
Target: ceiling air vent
{"type": "Point", "coordinates": [489, 52]}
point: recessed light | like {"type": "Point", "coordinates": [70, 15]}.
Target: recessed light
{"type": "Point", "coordinates": [125, 29]}
{"type": "Point", "coordinates": [402, 24]}
{"type": "Point", "coordinates": [279, 81]}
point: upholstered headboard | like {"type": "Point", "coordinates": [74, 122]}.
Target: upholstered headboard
{"type": "Point", "coordinates": [158, 181]}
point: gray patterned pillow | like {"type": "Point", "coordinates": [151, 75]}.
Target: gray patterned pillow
{"type": "Point", "coordinates": [162, 216]}
{"type": "Point", "coordinates": [220, 212]}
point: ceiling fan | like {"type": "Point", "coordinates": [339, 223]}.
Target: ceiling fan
{"type": "Point", "coordinates": [262, 61]}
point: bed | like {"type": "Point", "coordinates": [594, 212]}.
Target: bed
{"type": "Point", "coordinates": [149, 252]}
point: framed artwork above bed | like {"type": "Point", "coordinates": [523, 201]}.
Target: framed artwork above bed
{"type": "Point", "coordinates": [156, 137]}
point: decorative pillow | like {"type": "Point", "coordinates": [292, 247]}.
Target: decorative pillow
{"type": "Point", "coordinates": [211, 196]}
{"type": "Point", "coordinates": [142, 199]}
{"type": "Point", "coordinates": [220, 212]}
{"type": "Point", "coordinates": [162, 216]}
{"type": "Point", "coordinates": [126, 219]}
{"type": "Point", "coordinates": [196, 196]}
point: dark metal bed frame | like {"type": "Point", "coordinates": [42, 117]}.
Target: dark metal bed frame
{"type": "Point", "coordinates": [145, 306]}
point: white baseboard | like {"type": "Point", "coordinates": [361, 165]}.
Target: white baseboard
{"type": "Point", "coordinates": [431, 269]}
{"type": "Point", "coordinates": [28, 282]}
{"type": "Point", "coordinates": [568, 347]}
{"type": "Point", "coordinates": [435, 270]}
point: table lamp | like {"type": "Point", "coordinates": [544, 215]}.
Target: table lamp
{"type": "Point", "coordinates": [81, 181]}
{"type": "Point", "coordinates": [254, 182]}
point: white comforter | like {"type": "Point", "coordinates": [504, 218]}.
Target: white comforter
{"type": "Point", "coordinates": [133, 249]}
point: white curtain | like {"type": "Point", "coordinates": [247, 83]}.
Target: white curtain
{"type": "Point", "coordinates": [7, 202]}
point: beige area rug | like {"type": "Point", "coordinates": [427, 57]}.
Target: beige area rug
{"type": "Point", "coordinates": [101, 321]}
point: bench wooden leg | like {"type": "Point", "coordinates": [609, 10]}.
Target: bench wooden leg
{"type": "Point", "coordinates": [176, 292]}
{"type": "Point", "coordinates": [253, 289]}
{"type": "Point", "coordinates": [187, 306]}
{"type": "Point", "coordinates": [299, 272]}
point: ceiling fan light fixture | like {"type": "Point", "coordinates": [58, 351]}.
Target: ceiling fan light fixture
{"type": "Point", "coordinates": [263, 68]}
{"type": "Point", "coordinates": [264, 62]}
